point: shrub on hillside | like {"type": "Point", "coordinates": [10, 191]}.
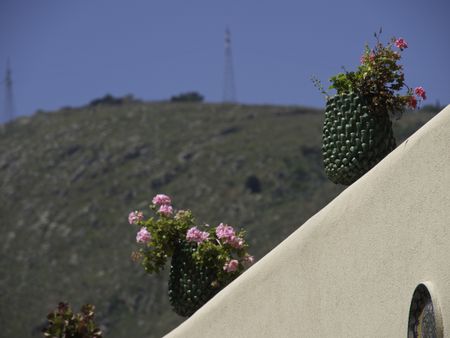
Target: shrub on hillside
{"type": "Point", "coordinates": [110, 100]}
{"type": "Point", "coordinates": [187, 97]}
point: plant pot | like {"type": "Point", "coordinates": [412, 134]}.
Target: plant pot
{"type": "Point", "coordinates": [354, 138]}
{"type": "Point", "coordinates": [191, 284]}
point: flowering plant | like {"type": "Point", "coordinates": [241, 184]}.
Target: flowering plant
{"type": "Point", "coordinates": [379, 78]}
{"type": "Point", "coordinates": [64, 323]}
{"type": "Point", "coordinates": [221, 247]}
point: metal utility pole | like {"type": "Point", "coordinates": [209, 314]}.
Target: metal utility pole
{"type": "Point", "coordinates": [229, 88]}
{"type": "Point", "coordinates": [8, 113]}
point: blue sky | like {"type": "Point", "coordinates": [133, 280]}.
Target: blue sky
{"type": "Point", "coordinates": [68, 52]}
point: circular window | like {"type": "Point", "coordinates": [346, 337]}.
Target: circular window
{"type": "Point", "coordinates": [422, 315]}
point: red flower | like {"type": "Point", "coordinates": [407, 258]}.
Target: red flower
{"type": "Point", "coordinates": [412, 102]}
{"type": "Point", "coordinates": [419, 91]}
{"type": "Point", "coordinates": [400, 43]}
{"type": "Point", "coordinates": [367, 58]}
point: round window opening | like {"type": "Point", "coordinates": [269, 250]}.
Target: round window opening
{"type": "Point", "coordinates": [422, 315]}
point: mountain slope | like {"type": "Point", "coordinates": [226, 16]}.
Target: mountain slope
{"type": "Point", "coordinates": [68, 180]}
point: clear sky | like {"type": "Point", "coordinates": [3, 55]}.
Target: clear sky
{"type": "Point", "coordinates": [68, 52]}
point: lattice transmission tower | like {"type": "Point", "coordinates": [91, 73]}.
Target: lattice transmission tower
{"type": "Point", "coordinates": [229, 87]}
{"type": "Point", "coordinates": [8, 113]}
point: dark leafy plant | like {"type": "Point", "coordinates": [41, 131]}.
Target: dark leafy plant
{"type": "Point", "coordinates": [108, 99]}
{"type": "Point", "coordinates": [379, 78]}
{"type": "Point", "coordinates": [63, 323]}
{"type": "Point", "coordinates": [187, 97]}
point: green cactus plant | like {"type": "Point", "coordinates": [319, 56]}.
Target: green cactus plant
{"type": "Point", "coordinates": [354, 139]}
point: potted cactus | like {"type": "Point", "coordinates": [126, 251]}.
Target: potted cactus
{"type": "Point", "coordinates": [204, 259]}
{"type": "Point", "coordinates": [357, 130]}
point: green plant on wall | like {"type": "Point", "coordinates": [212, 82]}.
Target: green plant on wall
{"type": "Point", "coordinates": [357, 130]}
{"type": "Point", "coordinates": [204, 258]}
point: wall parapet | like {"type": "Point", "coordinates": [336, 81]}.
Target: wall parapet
{"type": "Point", "coordinates": [352, 269]}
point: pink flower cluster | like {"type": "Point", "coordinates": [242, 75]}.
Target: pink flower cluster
{"type": "Point", "coordinates": [228, 235]}
{"type": "Point", "coordinates": [231, 266]}
{"type": "Point", "coordinates": [224, 231]}
{"type": "Point", "coordinates": [401, 43]}
{"type": "Point", "coordinates": [196, 235]}
{"type": "Point", "coordinates": [369, 58]}
{"type": "Point", "coordinates": [164, 202]}
{"type": "Point", "coordinates": [135, 216]}
{"type": "Point", "coordinates": [143, 236]}
{"type": "Point", "coordinates": [161, 199]}
{"type": "Point", "coordinates": [248, 261]}
{"type": "Point", "coordinates": [165, 210]}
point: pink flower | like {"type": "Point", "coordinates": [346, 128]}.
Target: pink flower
{"type": "Point", "coordinates": [248, 261]}
{"type": "Point", "coordinates": [196, 235]}
{"type": "Point", "coordinates": [165, 210]}
{"type": "Point", "coordinates": [161, 199]}
{"type": "Point", "coordinates": [228, 235]}
{"type": "Point", "coordinates": [224, 231]}
{"type": "Point", "coordinates": [412, 102]}
{"type": "Point", "coordinates": [135, 216]}
{"type": "Point", "coordinates": [364, 58]}
{"type": "Point", "coordinates": [235, 242]}
{"type": "Point", "coordinates": [143, 236]}
{"type": "Point", "coordinates": [401, 43]}
{"type": "Point", "coordinates": [231, 266]}
{"type": "Point", "coordinates": [419, 91]}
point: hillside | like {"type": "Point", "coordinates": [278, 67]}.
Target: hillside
{"type": "Point", "coordinates": [68, 180]}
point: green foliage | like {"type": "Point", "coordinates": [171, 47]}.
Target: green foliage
{"type": "Point", "coordinates": [379, 78]}
{"type": "Point", "coordinates": [342, 82]}
{"type": "Point", "coordinates": [110, 100]}
{"type": "Point", "coordinates": [63, 323]}
{"type": "Point", "coordinates": [187, 97]}
{"type": "Point", "coordinates": [165, 231]}
{"type": "Point", "coordinates": [214, 252]}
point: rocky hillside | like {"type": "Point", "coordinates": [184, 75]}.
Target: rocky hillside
{"type": "Point", "coordinates": [69, 178]}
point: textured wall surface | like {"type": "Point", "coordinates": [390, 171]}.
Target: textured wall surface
{"type": "Point", "coordinates": [351, 270]}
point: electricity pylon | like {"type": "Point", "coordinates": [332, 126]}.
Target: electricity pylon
{"type": "Point", "coordinates": [229, 88]}
{"type": "Point", "coordinates": [8, 113]}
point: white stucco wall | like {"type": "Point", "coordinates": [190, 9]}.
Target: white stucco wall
{"type": "Point", "coordinates": [351, 270]}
